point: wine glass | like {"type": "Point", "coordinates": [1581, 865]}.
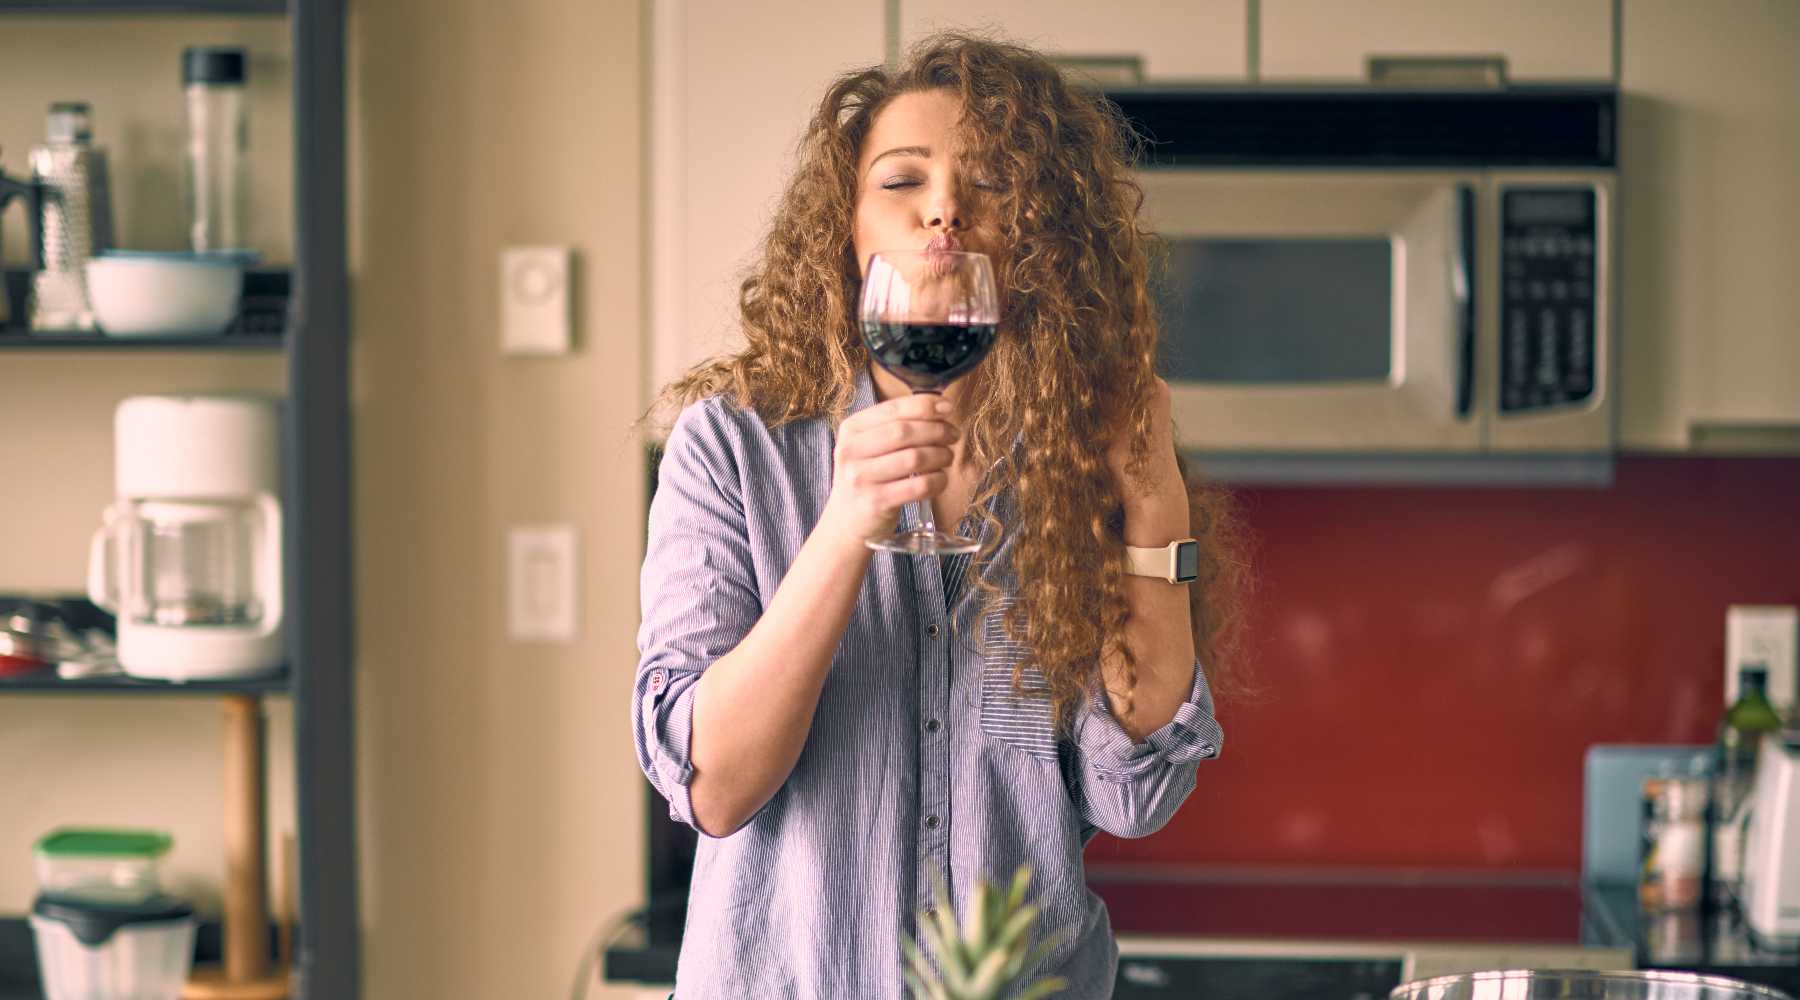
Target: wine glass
{"type": "Point", "coordinates": [928, 317]}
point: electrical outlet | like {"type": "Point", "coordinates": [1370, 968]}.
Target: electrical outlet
{"type": "Point", "coordinates": [1765, 634]}
{"type": "Point", "coordinates": [541, 575]}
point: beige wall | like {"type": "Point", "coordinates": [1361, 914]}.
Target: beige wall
{"type": "Point", "coordinates": [501, 810]}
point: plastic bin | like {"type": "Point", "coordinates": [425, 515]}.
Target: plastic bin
{"type": "Point", "coordinates": [109, 951]}
{"type": "Point", "coordinates": [101, 865]}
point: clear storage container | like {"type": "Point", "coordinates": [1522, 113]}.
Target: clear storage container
{"type": "Point", "coordinates": [217, 146]}
{"type": "Point", "coordinates": [101, 865]}
{"type": "Point", "coordinates": [111, 951]}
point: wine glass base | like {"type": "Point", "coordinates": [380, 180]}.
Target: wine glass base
{"type": "Point", "coordinates": [920, 542]}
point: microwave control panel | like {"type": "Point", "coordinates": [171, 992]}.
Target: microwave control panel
{"type": "Point", "coordinates": [1550, 239]}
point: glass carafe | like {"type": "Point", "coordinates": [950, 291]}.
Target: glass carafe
{"type": "Point", "coordinates": [184, 562]}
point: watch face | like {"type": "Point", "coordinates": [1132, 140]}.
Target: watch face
{"type": "Point", "coordinates": [1187, 561]}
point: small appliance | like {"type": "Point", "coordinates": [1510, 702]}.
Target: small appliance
{"type": "Point", "coordinates": [1771, 899]}
{"type": "Point", "coordinates": [1381, 271]}
{"type": "Point", "coordinates": [189, 557]}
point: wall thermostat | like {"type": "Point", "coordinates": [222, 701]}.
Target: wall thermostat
{"type": "Point", "coordinates": [535, 314]}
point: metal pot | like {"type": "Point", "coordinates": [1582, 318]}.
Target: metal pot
{"type": "Point", "coordinates": [1533, 984]}
{"type": "Point", "coordinates": [20, 653]}
{"type": "Point", "coordinates": [33, 636]}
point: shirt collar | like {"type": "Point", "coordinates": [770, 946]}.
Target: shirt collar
{"type": "Point", "coordinates": [864, 395]}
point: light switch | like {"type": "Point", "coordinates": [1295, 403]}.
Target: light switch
{"type": "Point", "coordinates": [541, 575]}
{"type": "Point", "coordinates": [534, 300]}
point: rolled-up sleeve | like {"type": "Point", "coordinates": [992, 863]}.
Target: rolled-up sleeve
{"type": "Point", "coordinates": [698, 593]}
{"type": "Point", "coordinates": [1131, 789]}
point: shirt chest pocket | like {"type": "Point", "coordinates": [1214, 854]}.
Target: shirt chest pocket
{"type": "Point", "coordinates": [1025, 724]}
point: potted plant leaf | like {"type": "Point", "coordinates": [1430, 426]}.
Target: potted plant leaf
{"type": "Point", "coordinates": [981, 956]}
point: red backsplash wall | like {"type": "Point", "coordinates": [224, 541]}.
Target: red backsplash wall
{"type": "Point", "coordinates": [1436, 661]}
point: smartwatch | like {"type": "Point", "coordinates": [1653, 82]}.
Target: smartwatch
{"type": "Point", "coordinates": [1176, 562]}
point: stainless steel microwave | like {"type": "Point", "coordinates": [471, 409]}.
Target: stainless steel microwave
{"type": "Point", "coordinates": [1386, 277]}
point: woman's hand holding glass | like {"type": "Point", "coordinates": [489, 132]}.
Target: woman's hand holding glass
{"type": "Point", "coordinates": [887, 456]}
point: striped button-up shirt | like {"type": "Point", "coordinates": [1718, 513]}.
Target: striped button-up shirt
{"type": "Point", "coordinates": [920, 757]}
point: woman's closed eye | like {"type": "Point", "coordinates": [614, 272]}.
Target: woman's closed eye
{"type": "Point", "coordinates": [901, 183]}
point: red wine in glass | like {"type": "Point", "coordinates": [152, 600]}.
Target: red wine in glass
{"type": "Point", "coordinates": [928, 356]}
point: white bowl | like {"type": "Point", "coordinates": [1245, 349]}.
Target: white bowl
{"type": "Point", "coordinates": [157, 294]}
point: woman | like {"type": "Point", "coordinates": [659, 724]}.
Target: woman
{"type": "Point", "coordinates": [839, 723]}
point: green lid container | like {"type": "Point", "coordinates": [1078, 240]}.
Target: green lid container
{"type": "Point", "coordinates": [99, 842]}
{"type": "Point", "coordinates": [102, 865]}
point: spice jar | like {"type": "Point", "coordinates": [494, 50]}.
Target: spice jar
{"type": "Point", "coordinates": [1674, 840]}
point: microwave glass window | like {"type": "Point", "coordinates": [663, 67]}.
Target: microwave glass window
{"type": "Point", "coordinates": [1277, 310]}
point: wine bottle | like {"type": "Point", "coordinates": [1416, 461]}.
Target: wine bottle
{"type": "Point", "coordinates": [1741, 732]}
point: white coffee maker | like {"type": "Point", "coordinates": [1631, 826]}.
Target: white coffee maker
{"type": "Point", "coordinates": [189, 557]}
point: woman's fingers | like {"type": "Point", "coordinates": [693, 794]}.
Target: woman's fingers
{"type": "Point", "coordinates": [896, 434]}
{"type": "Point", "coordinates": [904, 491]}
{"type": "Point", "coordinates": [898, 423]}
{"type": "Point", "coordinates": [887, 456]}
{"type": "Point", "coordinates": [917, 406]}
{"type": "Point", "coordinates": [900, 464]}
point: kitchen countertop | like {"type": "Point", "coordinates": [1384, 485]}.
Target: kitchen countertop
{"type": "Point", "coordinates": [1344, 909]}
{"type": "Point", "coordinates": [1716, 943]}
{"type": "Point", "coordinates": [1282, 919]}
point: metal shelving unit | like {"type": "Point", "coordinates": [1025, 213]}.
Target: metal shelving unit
{"type": "Point", "coordinates": [233, 7]}
{"type": "Point", "coordinates": [46, 682]}
{"type": "Point", "coordinates": [316, 470]}
{"type": "Point", "coordinates": [267, 342]}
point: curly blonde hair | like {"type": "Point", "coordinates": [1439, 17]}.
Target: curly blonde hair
{"type": "Point", "coordinates": [1074, 356]}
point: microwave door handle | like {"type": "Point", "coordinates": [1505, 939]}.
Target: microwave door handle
{"type": "Point", "coordinates": [1462, 290]}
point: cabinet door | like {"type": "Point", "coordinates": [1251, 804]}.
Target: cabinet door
{"type": "Point", "coordinates": [1176, 39]}
{"type": "Point", "coordinates": [1709, 161]}
{"type": "Point", "coordinates": [1542, 40]}
{"type": "Point", "coordinates": [732, 88]}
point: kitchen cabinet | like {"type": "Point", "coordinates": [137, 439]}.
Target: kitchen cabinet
{"type": "Point", "coordinates": [1205, 40]}
{"type": "Point", "coordinates": [733, 87]}
{"type": "Point", "coordinates": [1710, 151]}
{"type": "Point", "coordinates": [1331, 40]}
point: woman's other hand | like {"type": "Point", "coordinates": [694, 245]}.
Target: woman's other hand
{"type": "Point", "coordinates": [888, 455]}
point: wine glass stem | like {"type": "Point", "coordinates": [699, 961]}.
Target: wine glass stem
{"type": "Point", "coordinates": [928, 524]}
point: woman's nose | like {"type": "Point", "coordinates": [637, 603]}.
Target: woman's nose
{"type": "Point", "coordinates": [945, 213]}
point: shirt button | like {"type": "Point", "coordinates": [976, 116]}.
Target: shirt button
{"type": "Point", "coordinates": [932, 725]}
{"type": "Point", "coordinates": [932, 822]}
{"type": "Point", "coordinates": [932, 630]}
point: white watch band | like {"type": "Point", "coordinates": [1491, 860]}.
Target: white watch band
{"type": "Point", "coordinates": [1165, 562]}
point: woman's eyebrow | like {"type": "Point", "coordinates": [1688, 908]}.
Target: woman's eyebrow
{"type": "Point", "coordinates": [924, 151]}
